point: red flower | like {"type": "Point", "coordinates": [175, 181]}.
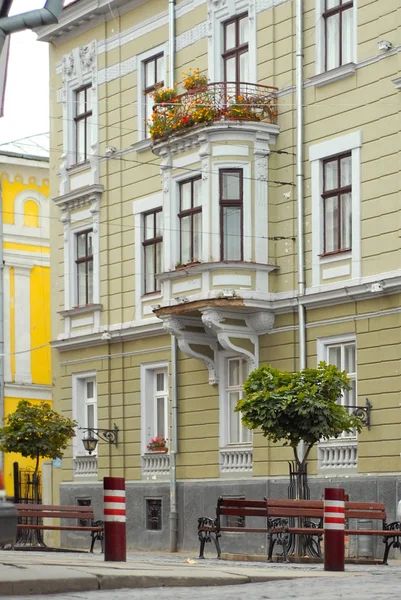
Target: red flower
{"type": "Point", "coordinates": [185, 120]}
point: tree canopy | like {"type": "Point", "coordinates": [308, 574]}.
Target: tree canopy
{"type": "Point", "coordinates": [294, 407]}
{"type": "Point", "coordinates": [36, 431]}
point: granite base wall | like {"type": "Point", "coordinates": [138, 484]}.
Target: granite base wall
{"type": "Point", "coordinates": [195, 499]}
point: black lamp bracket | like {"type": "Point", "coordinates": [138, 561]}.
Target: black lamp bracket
{"type": "Point", "coordinates": [107, 435]}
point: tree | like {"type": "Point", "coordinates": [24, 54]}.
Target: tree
{"type": "Point", "coordinates": [294, 407]}
{"type": "Point", "coordinates": [36, 431]}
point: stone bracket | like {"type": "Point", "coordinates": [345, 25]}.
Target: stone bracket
{"type": "Point", "coordinates": [185, 339]}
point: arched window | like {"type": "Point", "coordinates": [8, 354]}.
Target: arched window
{"type": "Point", "coordinates": [31, 214]}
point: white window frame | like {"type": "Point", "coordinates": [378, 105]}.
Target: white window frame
{"type": "Point", "coordinates": [142, 58]}
{"type": "Point", "coordinates": [73, 80]}
{"type": "Point", "coordinates": [140, 207]}
{"type": "Point", "coordinates": [79, 381]}
{"type": "Point", "coordinates": [351, 142]}
{"type": "Point", "coordinates": [148, 374]}
{"type": "Point", "coordinates": [171, 213]}
{"type": "Point", "coordinates": [224, 408]}
{"type": "Point", "coordinates": [76, 232]}
{"type": "Point", "coordinates": [323, 345]}
{"type": "Point", "coordinates": [73, 266]}
{"type": "Point", "coordinates": [320, 43]}
{"type": "Point", "coordinates": [221, 12]}
{"type": "Point", "coordinates": [246, 207]}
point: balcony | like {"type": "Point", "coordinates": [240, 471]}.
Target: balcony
{"type": "Point", "coordinates": [210, 103]}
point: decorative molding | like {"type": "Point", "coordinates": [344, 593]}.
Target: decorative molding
{"type": "Point", "coordinates": [177, 327]}
{"type": "Point", "coordinates": [80, 197]}
{"type": "Point", "coordinates": [254, 325]}
{"type": "Point", "coordinates": [260, 322]}
{"type": "Point", "coordinates": [191, 36]}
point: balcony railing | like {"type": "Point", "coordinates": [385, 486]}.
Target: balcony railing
{"type": "Point", "coordinates": [236, 460]}
{"type": "Point", "coordinates": [213, 102]}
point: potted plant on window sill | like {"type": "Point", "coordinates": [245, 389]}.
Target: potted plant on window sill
{"type": "Point", "coordinates": [158, 444]}
{"type": "Point", "coordinates": [180, 265]}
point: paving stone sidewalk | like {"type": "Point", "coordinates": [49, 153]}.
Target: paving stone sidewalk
{"type": "Point", "coordinates": [24, 573]}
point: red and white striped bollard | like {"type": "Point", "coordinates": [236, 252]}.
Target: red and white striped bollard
{"type": "Point", "coordinates": [115, 543]}
{"type": "Point", "coordinates": [334, 526]}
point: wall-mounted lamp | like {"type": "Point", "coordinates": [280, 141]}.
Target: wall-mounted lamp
{"type": "Point", "coordinates": [107, 435]}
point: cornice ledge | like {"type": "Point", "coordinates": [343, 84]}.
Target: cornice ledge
{"type": "Point", "coordinates": [99, 338]}
{"type": "Point", "coordinates": [366, 290]}
{"type": "Point", "coordinates": [79, 197]}
{"type": "Point", "coordinates": [195, 136]}
{"type": "Point", "coordinates": [213, 266]}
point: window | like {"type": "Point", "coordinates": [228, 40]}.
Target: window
{"type": "Point", "coordinates": [152, 248]}
{"type": "Point", "coordinates": [160, 399]}
{"type": "Point", "coordinates": [154, 402]}
{"type": "Point", "coordinates": [235, 53]}
{"type": "Point", "coordinates": [190, 217]}
{"type": "Point", "coordinates": [83, 114]}
{"type": "Point", "coordinates": [336, 208]}
{"type": "Point", "coordinates": [84, 267]}
{"type": "Point", "coordinates": [90, 402]}
{"type": "Point", "coordinates": [153, 514]}
{"type": "Point", "coordinates": [237, 373]}
{"type": "Point", "coordinates": [231, 214]}
{"type": "Point", "coordinates": [84, 407]}
{"type": "Point", "coordinates": [153, 78]}
{"type": "Point", "coordinates": [338, 33]}
{"type": "Point", "coordinates": [343, 356]}
{"type": "Point", "coordinates": [337, 203]}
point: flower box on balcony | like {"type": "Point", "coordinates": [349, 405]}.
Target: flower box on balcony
{"type": "Point", "coordinates": [212, 102]}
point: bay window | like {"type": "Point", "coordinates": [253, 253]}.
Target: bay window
{"type": "Point", "coordinates": [190, 217]}
{"type": "Point", "coordinates": [231, 214]}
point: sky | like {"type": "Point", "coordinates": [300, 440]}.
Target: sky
{"type": "Point", "coordinates": [26, 110]}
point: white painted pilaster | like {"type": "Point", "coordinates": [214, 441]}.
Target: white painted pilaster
{"type": "Point", "coordinates": [22, 279]}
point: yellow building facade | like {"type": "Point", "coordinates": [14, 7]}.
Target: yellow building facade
{"type": "Point", "coordinates": [26, 279]}
{"type": "Point", "coordinates": [238, 235]}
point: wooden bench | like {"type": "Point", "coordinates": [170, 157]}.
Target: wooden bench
{"type": "Point", "coordinates": [30, 517]}
{"type": "Point", "coordinates": [282, 514]}
{"type": "Point", "coordinates": [210, 529]}
{"type": "Point", "coordinates": [283, 519]}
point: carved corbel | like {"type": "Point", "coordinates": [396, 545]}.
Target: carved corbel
{"type": "Point", "coordinates": [185, 339]}
{"type": "Point", "coordinates": [252, 358]}
{"type": "Point", "coordinates": [185, 347]}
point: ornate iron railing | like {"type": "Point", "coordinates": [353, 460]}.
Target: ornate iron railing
{"type": "Point", "coordinates": [224, 101]}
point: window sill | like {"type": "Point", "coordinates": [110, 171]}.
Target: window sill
{"type": "Point", "coordinates": [335, 256]}
{"type": "Point", "coordinates": [78, 167]}
{"type": "Point", "coordinates": [333, 75]}
{"type": "Point", "coordinates": [80, 310]}
{"type": "Point", "coordinates": [142, 145]}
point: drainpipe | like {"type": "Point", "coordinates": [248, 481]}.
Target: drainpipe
{"type": "Point", "coordinates": [300, 193]}
{"type": "Point", "coordinates": [171, 41]}
{"type": "Point", "coordinates": [29, 20]}
{"type": "Point", "coordinates": [173, 450]}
